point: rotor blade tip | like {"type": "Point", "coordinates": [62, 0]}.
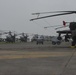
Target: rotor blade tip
{"type": "Point", "coordinates": [31, 19]}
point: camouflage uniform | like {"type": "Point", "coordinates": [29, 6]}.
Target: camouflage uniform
{"type": "Point", "coordinates": [72, 27]}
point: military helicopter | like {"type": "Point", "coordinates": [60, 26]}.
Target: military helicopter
{"type": "Point", "coordinates": [23, 37]}
{"type": "Point", "coordinates": [72, 25]}
{"type": "Point", "coordinates": [10, 38]}
{"type": "Point", "coordinates": [2, 33]}
{"type": "Point", "coordinates": [34, 38]}
{"type": "Point", "coordinates": [39, 39]}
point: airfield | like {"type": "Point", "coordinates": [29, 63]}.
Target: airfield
{"type": "Point", "coordinates": [31, 59]}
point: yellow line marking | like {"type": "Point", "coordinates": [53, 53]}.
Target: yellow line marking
{"type": "Point", "coordinates": [24, 54]}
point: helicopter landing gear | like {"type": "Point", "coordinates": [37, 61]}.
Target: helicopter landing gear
{"type": "Point", "coordinates": [56, 42]}
{"type": "Point", "coordinates": [59, 37]}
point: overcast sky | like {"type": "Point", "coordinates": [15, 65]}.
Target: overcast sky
{"type": "Point", "coordinates": [16, 14]}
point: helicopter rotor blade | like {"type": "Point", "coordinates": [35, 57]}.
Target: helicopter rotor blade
{"type": "Point", "coordinates": [61, 27]}
{"type": "Point", "coordinates": [52, 16]}
{"type": "Point", "coordinates": [52, 26]}
{"type": "Point", "coordinates": [52, 12]}
{"type": "Point", "coordinates": [44, 13]}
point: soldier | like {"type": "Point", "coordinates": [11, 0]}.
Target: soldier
{"type": "Point", "coordinates": [72, 27]}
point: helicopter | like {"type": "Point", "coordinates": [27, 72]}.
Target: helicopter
{"type": "Point", "coordinates": [2, 33]}
{"type": "Point", "coordinates": [71, 33]}
{"type": "Point", "coordinates": [23, 37]}
{"type": "Point", "coordinates": [34, 38]}
{"type": "Point", "coordinates": [11, 37]}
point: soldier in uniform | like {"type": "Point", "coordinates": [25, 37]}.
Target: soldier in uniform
{"type": "Point", "coordinates": [72, 27]}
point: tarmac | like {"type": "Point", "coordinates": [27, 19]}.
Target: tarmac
{"type": "Point", "coordinates": [32, 59]}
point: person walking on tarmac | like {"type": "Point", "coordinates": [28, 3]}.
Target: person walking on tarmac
{"type": "Point", "coordinates": [72, 27]}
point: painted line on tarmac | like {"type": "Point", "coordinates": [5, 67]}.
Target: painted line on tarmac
{"type": "Point", "coordinates": [24, 54]}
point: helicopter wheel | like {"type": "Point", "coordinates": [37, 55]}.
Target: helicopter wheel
{"type": "Point", "coordinates": [54, 43]}
{"type": "Point", "coordinates": [58, 43]}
